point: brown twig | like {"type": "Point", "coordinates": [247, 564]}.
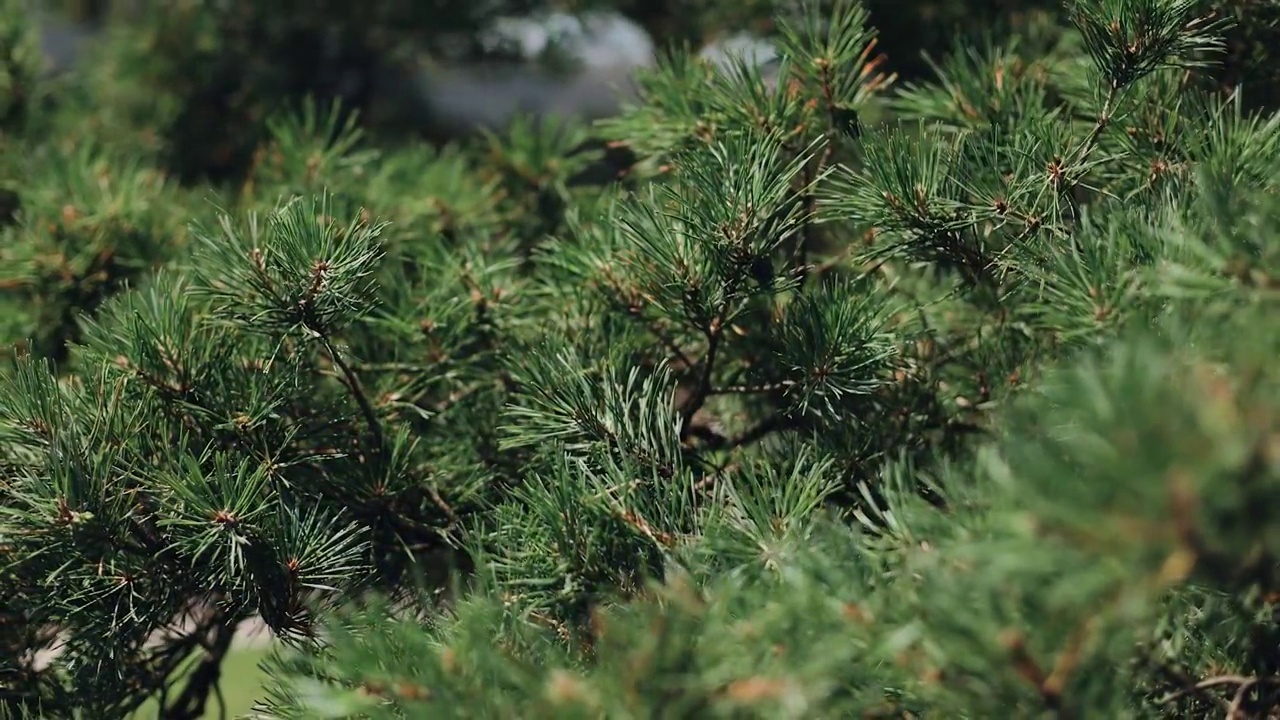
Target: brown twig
{"type": "Point", "coordinates": [1235, 711]}
{"type": "Point", "coordinates": [1026, 666]}
{"type": "Point", "coordinates": [714, 332]}
{"type": "Point", "coordinates": [444, 507]}
{"type": "Point", "coordinates": [1242, 683]}
{"type": "Point", "coordinates": [352, 381]}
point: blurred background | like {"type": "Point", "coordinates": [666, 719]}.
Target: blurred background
{"type": "Point", "coordinates": [211, 71]}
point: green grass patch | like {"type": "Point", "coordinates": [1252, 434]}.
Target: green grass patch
{"type": "Point", "coordinates": [241, 686]}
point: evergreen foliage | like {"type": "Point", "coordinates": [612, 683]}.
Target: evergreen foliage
{"type": "Point", "coordinates": [852, 397]}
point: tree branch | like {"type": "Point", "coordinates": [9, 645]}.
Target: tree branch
{"type": "Point", "coordinates": [715, 331]}
{"type": "Point", "coordinates": [1242, 683]}
{"type": "Point", "coordinates": [206, 676]}
{"type": "Point", "coordinates": [352, 381]}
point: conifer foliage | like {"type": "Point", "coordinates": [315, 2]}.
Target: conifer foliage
{"type": "Point", "coordinates": [851, 398]}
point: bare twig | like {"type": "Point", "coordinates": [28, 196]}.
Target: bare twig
{"type": "Point", "coordinates": [1242, 683]}
{"type": "Point", "coordinates": [714, 332]}
{"type": "Point", "coordinates": [702, 391]}
{"type": "Point", "coordinates": [1235, 711]}
{"type": "Point", "coordinates": [439, 501]}
{"type": "Point", "coordinates": [352, 381]}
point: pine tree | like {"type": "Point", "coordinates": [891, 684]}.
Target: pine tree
{"type": "Point", "coordinates": [852, 397]}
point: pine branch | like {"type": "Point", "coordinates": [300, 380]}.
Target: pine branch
{"type": "Point", "coordinates": [1054, 414]}
{"type": "Point", "coordinates": [1102, 122]}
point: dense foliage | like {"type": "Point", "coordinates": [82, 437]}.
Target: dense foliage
{"type": "Point", "coordinates": [850, 397]}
